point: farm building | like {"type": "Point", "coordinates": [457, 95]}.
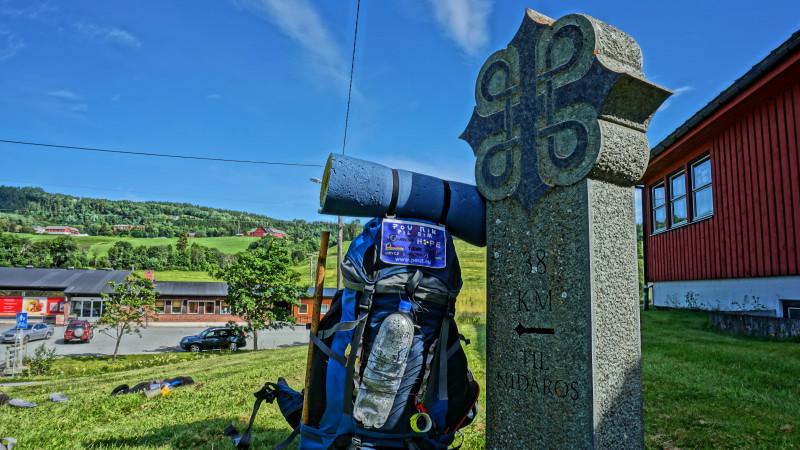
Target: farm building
{"type": "Point", "coordinates": [266, 231]}
{"type": "Point", "coordinates": [722, 197]}
{"type": "Point", "coordinates": [122, 227]}
{"type": "Point", "coordinates": [58, 229]}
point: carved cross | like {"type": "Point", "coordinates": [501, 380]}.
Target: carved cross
{"type": "Point", "coordinates": [565, 100]}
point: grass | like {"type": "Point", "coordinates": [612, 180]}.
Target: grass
{"type": "Point", "coordinates": [101, 244]}
{"type": "Point", "coordinates": [190, 417]}
{"type": "Point", "coordinates": [181, 275]}
{"type": "Point", "coordinates": [706, 389]}
{"type": "Point", "coordinates": [702, 389]}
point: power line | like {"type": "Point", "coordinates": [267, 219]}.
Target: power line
{"type": "Point", "coordinates": [352, 67]}
{"type": "Point", "coordinates": [161, 154]}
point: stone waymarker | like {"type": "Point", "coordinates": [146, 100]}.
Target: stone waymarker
{"type": "Point", "coordinates": [558, 132]}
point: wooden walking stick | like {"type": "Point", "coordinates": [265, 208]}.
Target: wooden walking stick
{"type": "Point", "coordinates": [315, 311]}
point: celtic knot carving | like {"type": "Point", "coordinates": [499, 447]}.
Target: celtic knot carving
{"type": "Point", "coordinates": [550, 104]}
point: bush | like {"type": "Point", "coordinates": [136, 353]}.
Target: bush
{"type": "Point", "coordinates": [42, 360]}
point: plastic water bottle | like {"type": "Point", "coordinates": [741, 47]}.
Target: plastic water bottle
{"type": "Point", "coordinates": [385, 368]}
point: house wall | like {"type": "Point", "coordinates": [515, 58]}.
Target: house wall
{"type": "Point", "coordinates": [740, 294]}
{"type": "Point", "coordinates": [308, 302]}
{"type": "Point", "coordinates": [755, 227]}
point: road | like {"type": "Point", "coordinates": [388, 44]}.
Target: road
{"type": "Point", "coordinates": [162, 339]}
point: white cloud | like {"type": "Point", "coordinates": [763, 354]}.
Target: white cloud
{"type": "Point", "coordinates": [67, 95]}
{"type": "Point", "coordinates": [300, 21]}
{"type": "Point", "coordinates": [10, 44]}
{"type": "Point", "coordinates": [106, 33]}
{"type": "Point", "coordinates": [464, 21]}
{"type": "Point", "coordinates": [677, 92]}
{"type": "Point", "coordinates": [214, 96]}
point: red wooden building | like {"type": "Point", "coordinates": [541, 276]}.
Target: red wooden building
{"type": "Point", "coordinates": [722, 197]}
{"type": "Point", "coordinates": [302, 313]}
{"type": "Point", "coordinates": [264, 231]}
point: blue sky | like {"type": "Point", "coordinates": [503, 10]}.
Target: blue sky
{"type": "Point", "coordinates": [267, 80]}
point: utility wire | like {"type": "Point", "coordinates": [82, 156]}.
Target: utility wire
{"type": "Point", "coordinates": [161, 154]}
{"type": "Point", "coordinates": [352, 66]}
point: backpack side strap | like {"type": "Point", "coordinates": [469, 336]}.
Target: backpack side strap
{"type": "Point", "coordinates": [242, 440]}
{"type": "Point", "coordinates": [364, 305]}
{"type": "Point", "coordinates": [327, 350]}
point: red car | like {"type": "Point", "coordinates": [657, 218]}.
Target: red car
{"type": "Point", "coordinates": [78, 330]}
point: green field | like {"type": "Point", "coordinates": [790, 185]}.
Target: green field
{"type": "Point", "coordinates": [472, 260]}
{"type": "Point", "coordinates": [702, 389]}
{"type": "Point", "coordinates": [101, 244]}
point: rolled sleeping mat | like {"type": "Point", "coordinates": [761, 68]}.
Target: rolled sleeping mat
{"type": "Point", "coordinates": [357, 188]}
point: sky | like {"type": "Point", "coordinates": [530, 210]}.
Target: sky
{"type": "Point", "coordinates": [267, 80]}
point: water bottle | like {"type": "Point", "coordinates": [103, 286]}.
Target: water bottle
{"type": "Point", "coordinates": [385, 368]}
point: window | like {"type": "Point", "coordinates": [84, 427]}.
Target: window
{"type": "Point", "coordinates": [677, 199]}
{"type": "Point", "coordinates": [225, 308]}
{"type": "Point", "coordinates": [177, 306]}
{"type": "Point", "coordinates": [323, 309]}
{"type": "Point", "coordinates": [702, 201]}
{"type": "Point", "coordinates": [302, 309]}
{"type": "Point", "coordinates": [201, 307]}
{"type": "Point", "coordinates": [160, 306]}
{"type": "Point", "coordinates": [659, 208]}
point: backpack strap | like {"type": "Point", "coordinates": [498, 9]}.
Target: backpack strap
{"type": "Point", "coordinates": [327, 350]}
{"type": "Point", "coordinates": [242, 440]}
{"type": "Point", "coordinates": [364, 305]}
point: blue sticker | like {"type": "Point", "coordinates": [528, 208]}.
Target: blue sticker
{"type": "Point", "coordinates": [413, 244]}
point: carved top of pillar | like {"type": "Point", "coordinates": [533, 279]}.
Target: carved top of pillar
{"type": "Point", "coordinates": [565, 100]}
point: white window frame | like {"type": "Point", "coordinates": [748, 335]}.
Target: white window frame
{"type": "Point", "coordinates": [696, 189]}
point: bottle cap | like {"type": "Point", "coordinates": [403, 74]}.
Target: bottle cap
{"type": "Point", "coordinates": [405, 305]}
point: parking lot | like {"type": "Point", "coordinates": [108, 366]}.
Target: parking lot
{"type": "Point", "coordinates": [160, 339]}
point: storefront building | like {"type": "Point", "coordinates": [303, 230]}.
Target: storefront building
{"type": "Point", "coordinates": [51, 295]}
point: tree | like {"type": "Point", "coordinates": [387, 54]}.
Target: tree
{"type": "Point", "coordinates": [262, 287]}
{"type": "Point", "coordinates": [183, 241]}
{"type": "Point", "coordinates": [128, 308]}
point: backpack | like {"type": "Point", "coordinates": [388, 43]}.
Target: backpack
{"type": "Point", "coordinates": [438, 394]}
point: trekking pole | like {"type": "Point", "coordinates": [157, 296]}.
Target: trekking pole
{"type": "Point", "coordinates": [315, 311]}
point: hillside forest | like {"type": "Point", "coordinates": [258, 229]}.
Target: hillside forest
{"type": "Point", "coordinates": [23, 208]}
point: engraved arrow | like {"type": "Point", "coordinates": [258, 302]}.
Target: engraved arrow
{"type": "Point", "coordinates": [523, 330]}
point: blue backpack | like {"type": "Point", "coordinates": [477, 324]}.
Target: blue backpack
{"type": "Point", "coordinates": [438, 395]}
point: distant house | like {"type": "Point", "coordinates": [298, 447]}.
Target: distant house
{"type": "Point", "coordinates": [722, 198]}
{"type": "Point", "coordinates": [38, 229]}
{"type": "Point", "coordinates": [276, 232]}
{"type": "Point", "coordinates": [256, 232]}
{"type": "Point", "coordinates": [122, 227]}
{"type": "Point", "coordinates": [302, 313]}
{"type": "Point", "coordinates": [192, 235]}
{"type": "Point", "coordinates": [58, 229]}
{"type": "Point", "coordinates": [264, 231]}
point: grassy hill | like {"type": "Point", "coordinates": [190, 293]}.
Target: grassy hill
{"type": "Point", "coordinates": [101, 244]}
{"type": "Point", "coordinates": [702, 389]}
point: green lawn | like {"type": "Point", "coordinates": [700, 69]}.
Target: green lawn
{"type": "Point", "coordinates": [702, 389]}
{"type": "Point", "coordinates": [101, 244]}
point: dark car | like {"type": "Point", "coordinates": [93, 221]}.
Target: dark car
{"type": "Point", "coordinates": [78, 330]}
{"type": "Point", "coordinates": [32, 332]}
{"type": "Point", "coordinates": [223, 338]}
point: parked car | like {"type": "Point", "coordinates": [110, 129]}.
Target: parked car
{"type": "Point", "coordinates": [33, 332]}
{"type": "Point", "coordinates": [78, 330]}
{"type": "Point", "coordinates": [215, 338]}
